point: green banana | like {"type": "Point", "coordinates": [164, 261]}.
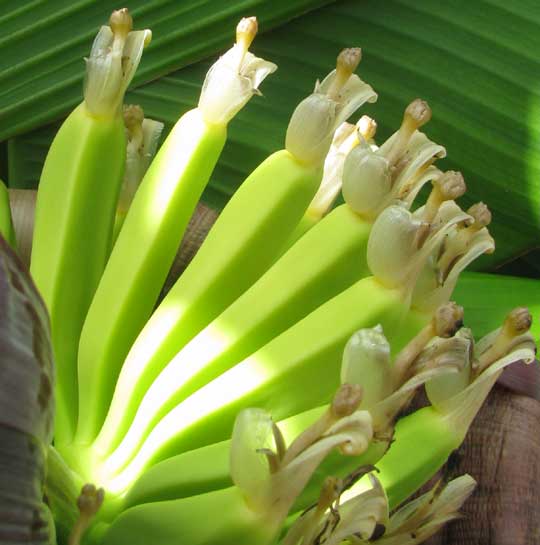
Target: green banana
{"type": "Point", "coordinates": [154, 226]}
{"type": "Point", "coordinates": [286, 355]}
{"type": "Point", "coordinates": [242, 244]}
{"type": "Point", "coordinates": [6, 223]}
{"type": "Point", "coordinates": [254, 509]}
{"type": "Point", "coordinates": [191, 521]}
{"type": "Point", "coordinates": [310, 348]}
{"type": "Point", "coordinates": [291, 468]}
{"type": "Point", "coordinates": [260, 314]}
{"type": "Point", "coordinates": [76, 202]}
{"type": "Point", "coordinates": [366, 361]}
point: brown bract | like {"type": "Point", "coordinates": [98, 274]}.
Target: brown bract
{"type": "Point", "coordinates": [26, 405]}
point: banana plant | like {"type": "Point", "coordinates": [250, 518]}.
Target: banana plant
{"type": "Point", "coordinates": [280, 290]}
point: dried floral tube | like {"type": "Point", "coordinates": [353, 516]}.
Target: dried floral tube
{"type": "Point", "coordinates": [405, 249]}
{"type": "Point", "coordinates": [243, 243]}
{"type": "Point", "coordinates": [364, 517]}
{"type": "Point", "coordinates": [89, 502]}
{"type": "Point", "coordinates": [156, 220]}
{"type": "Point", "coordinates": [334, 100]}
{"type": "Point", "coordinates": [468, 240]}
{"type": "Point", "coordinates": [422, 517]}
{"type": "Point", "coordinates": [76, 202]}
{"type": "Point", "coordinates": [333, 521]}
{"type": "Point", "coordinates": [433, 352]}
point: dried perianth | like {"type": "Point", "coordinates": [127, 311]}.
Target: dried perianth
{"type": "Point", "coordinates": [446, 321]}
{"type": "Point", "coordinates": [517, 323]}
{"type": "Point", "coordinates": [89, 503]}
{"type": "Point", "coordinates": [417, 114]}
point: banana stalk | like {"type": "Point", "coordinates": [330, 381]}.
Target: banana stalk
{"type": "Point", "coordinates": [76, 202]}
{"type": "Point", "coordinates": [244, 241]}
{"type": "Point", "coordinates": [154, 226]}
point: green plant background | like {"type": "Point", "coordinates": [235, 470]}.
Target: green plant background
{"type": "Point", "coordinates": [476, 63]}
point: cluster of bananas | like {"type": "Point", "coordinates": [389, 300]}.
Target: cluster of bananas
{"type": "Point", "coordinates": [283, 299]}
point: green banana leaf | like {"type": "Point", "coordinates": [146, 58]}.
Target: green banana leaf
{"type": "Point", "coordinates": [42, 44]}
{"type": "Point", "coordinates": [475, 62]}
{"type": "Point", "coordinates": [488, 298]}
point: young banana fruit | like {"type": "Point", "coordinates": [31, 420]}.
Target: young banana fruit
{"type": "Point", "coordinates": [366, 361]}
{"type": "Point", "coordinates": [244, 241]}
{"type": "Point", "coordinates": [154, 226]}
{"type": "Point", "coordinates": [261, 313]}
{"type": "Point", "coordinates": [307, 349]}
{"type": "Point", "coordinates": [345, 423]}
{"type": "Point", "coordinates": [80, 182]}
{"type": "Point", "coordinates": [6, 224]}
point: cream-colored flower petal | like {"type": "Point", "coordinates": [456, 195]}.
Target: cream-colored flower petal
{"type": "Point", "coordinates": [234, 78]}
{"type": "Point", "coordinates": [113, 60]}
